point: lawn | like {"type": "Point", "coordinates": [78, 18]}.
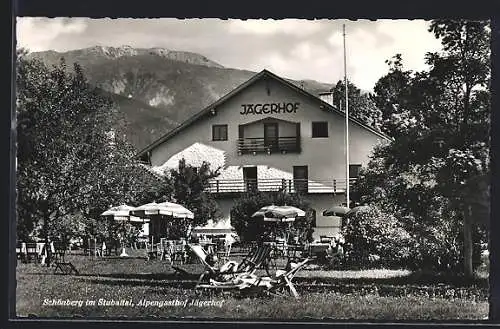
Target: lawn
{"type": "Point", "coordinates": [151, 289]}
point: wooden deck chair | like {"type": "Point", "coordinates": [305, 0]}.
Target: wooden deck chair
{"type": "Point", "coordinates": [256, 258]}
{"type": "Point", "coordinates": [201, 254]}
{"type": "Point", "coordinates": [217, 278]}
{"type": "Point", "coordinates": [282, 283]}
{"type": "Point", "coordinates": [65, 268]}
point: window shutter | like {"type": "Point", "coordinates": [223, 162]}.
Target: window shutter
{"type": "Point", "coordinates": [240, 131]}
{"type": "Point", "coordinates": [297, 134]}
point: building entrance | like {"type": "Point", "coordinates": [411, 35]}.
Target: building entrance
{"type": "Point", "coordinates": [271, 135]}
{"type": "Point", "coordinates": [250, 178]}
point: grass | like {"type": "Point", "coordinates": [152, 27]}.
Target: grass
{"type": "Point", "coordinates": [339, 295]}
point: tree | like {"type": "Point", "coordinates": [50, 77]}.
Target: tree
{"type": "Point", "coordinates": [361, 106]}
{"type": "Point", "coordinates": [441, 145]}
{"type": "Point", "coordinates": [69, 161]}
{"type": "Point", "coordinates": [190, 186]}
{"type": "Point", "coordinates": [391, 92]}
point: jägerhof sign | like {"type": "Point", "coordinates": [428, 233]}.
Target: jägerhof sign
{"type": "Point", "coordinates": [269, 108]}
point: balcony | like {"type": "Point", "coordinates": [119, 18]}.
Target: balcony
{"type": "Point", "coordinates": [226, 186]}
{"type": "Point", "coordinates": [280, 145]}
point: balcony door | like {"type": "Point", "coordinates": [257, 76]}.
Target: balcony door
{"type": "Point", "coordinates": [271, 135]}
{"type": "Point", "coordinates": [300, 179]}
{"type": "Point", "coordinates": [250, 178]}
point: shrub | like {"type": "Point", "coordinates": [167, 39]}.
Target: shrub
{"type": "Point", "coordinates": [375, 238]}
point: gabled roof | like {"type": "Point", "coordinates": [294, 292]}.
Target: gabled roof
{"type": "Point", "coordinates": [261, 75]}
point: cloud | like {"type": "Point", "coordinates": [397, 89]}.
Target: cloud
{"type": "Point", "coordinates": [368, 49]}
{"type": "Point", "coordinates": [37, 33]}
{"type": "Point", "coordinates": [295, 27]}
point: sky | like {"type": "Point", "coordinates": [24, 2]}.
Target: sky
{"type": "Point", "coordinates": [291, 48]}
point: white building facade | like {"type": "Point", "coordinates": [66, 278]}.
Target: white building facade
{"type": "Point", "coordinates": [270, 134]}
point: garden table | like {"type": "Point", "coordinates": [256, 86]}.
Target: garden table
{"type": "Point", "coordinates": [294, 250]}
{"type": "Point", "coordinates": [317, 248]}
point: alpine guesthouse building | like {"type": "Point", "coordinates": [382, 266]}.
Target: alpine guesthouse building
{"type": "Point", "coordinates": [269, 134]}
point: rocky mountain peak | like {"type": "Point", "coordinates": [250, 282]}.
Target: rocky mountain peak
{"type": "Point", "coordinates": [109, 52]}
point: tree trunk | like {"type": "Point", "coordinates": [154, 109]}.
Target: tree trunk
{"type": "Point", "coordinates": [46, 236]}
{"type": "Point", "coordinates": [468, 271]}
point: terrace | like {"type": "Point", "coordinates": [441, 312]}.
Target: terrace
{"type": "Point", "coordinates": [262, 145]}
{"type": "Point", "coordinates": [277, 184]}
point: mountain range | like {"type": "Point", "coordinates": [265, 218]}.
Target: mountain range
{"type": "Point", "coordinates": [156, 89]}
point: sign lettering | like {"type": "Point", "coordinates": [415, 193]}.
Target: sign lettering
{"type": "Point", "coordinates": [269, 108]}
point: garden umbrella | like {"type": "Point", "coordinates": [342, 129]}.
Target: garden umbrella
{"type": "Point", "coordinates": [122, 213]}
{"type": "Point", "coordinates": [279, 213]}
{"type": "Point", "coordinates": [342, 211]}
{"type": "Point", "coordinates": [169, 209]}
{"type": "Point", "coordinates": [336, 211]}
{"type": "Point", "coordinates": [166, 210]}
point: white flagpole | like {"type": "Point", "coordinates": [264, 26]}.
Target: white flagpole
{"type": "Point", "coordinates": [346, 125]}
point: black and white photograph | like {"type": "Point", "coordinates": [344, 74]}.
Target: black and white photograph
{"type": "Point", "coordinates": [258, 169]}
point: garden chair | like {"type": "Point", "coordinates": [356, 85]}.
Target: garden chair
{"type": "Point", "coordinates": [281, 283]}
{"type": "Point", "coordinates": [150, 250]}
{"type": "Point", "coordinates": [95, 249]}
{"type": "Point", "coordinates": [178, 252]}
{"type": "Point", "coordinates": [280, 249]}
{"type": "Point", "coordinates": [65, 268]}
{"type": "Point", "coordinates": [31, 252]}
{"type": "Point", "coordinates": [214, 277]}
{"type": "Point", "coordinates": [223, 251]}
{"type": "Point", "coordinates": [19, 253]}
{"type": "Point", "coordinates": [209, 269]}
{"type": "Point", "coordinates": [164, 249]}
{"type": "Point", "coordinates": [58, 250]}
{"type": "Point", "coordinates": [257, 258]}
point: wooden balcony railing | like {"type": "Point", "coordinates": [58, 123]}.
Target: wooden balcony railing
{"type": "Point", "coordinates": [260, 145]}
{"type": "Point", "coordinates": [277, 184]}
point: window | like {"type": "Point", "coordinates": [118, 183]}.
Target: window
{"type": "Point", "coordinates": [219, 132]}
{"type": "Point", "coordinates": [354, 170]}
{"type": "Point", "coordinates": [319, 129]}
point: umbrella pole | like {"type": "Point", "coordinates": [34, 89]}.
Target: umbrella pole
{"type": "Point", "coordinates": [124, 252]}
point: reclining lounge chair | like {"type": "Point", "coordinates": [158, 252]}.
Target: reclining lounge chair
{"type": "Point", "coordinates": [231, 269]}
